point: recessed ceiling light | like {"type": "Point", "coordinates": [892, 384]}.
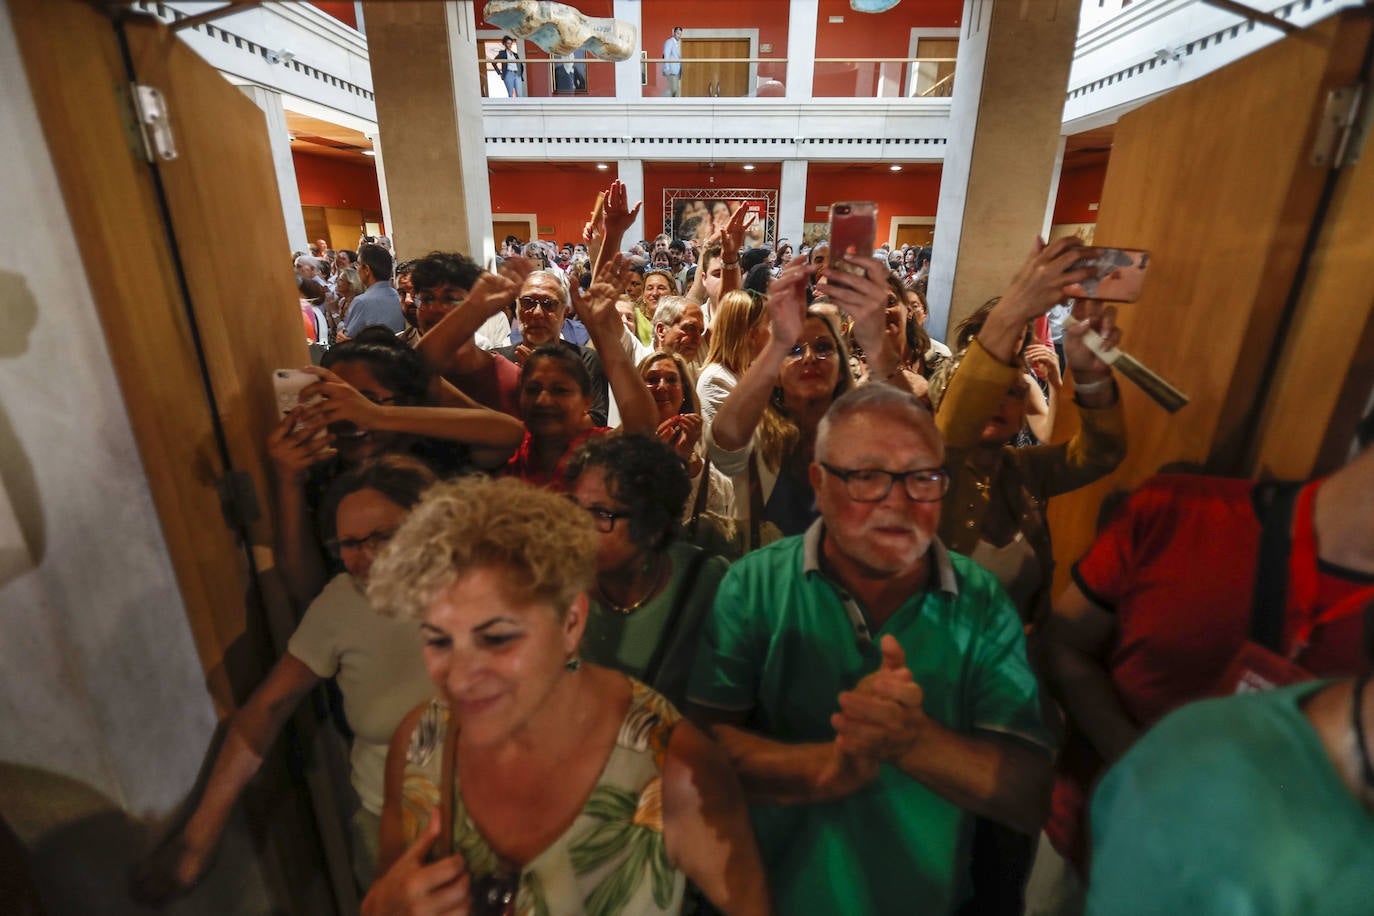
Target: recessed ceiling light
{"type": "Point", "coordinates": [369, 152]}
{"type": "Point", "coordinates": [749, 166]}
{"type": "Point", "coordinates": [895, 167]}
{"type": "Point", "coordinates": [602, 166]}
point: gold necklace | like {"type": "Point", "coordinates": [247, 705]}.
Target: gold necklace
{"type": "Point", "coordinates": [654, 587]}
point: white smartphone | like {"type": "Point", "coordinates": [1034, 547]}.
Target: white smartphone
{"type": "Point", "coordinates": [288, 385]}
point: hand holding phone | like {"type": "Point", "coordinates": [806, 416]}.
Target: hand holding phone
{"type": "Point", "coordinates": [853, 225]}
{"type": "Point", "coordinates": [1118, 273]}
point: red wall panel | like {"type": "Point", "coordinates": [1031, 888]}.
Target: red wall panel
{"type": "Point", "coordinates": [1077, 189]}
{"type": "Point", "coordinates": [328, 182]}
{"type": "Point", "coordinates": [344, 12]}
{"type": "Point", "coordinates": [860, 35]}
{"type": "Point", "coordinates": [906, 193]}
{"type": "Point", "coordinates": [561, 198]}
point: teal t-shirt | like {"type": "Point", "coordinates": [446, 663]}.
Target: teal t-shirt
{"type": "Point", "coordinates": [1231, 807]}
{"type": "Point", "coordinates": [781, 645]}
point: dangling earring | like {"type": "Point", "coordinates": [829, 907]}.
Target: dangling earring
{"type": "Point", "coordinates": [574, 663]}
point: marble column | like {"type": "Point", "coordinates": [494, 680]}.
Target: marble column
{"type": "Point", "coordinates": [627, 72]}
{"type": "Point", "coordinates": [631, 171]}
{"type": "Point", "coordinates": [792, 202]}
{"type": "Point", "coordinates": [1000, 163]}
{"type": "Point", "coordinates": [280, 139]}
{"type": "Point", "coordinates": [801, 51]}
{"type": "Point", "coordinates": [429, 118]}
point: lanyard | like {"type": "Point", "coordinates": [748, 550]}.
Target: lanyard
{"type": "Point", "coordinates": [1303, 578]}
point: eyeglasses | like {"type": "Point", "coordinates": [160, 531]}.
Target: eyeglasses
{"type": "Point", "coordinates": [821, 350]}
{"type": "Point", "coordinates": [542, 303]}
{"type": "Point", "coordinates": [427, 300]}
{"type": "Point", "coordinates": [372, 543]}
{"type": "Point", "coordinates": [604, 519]}
{"type": "Point", "coordinates": [871, 485]}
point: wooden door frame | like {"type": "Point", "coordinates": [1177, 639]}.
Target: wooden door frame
{"type": "Point", "coordinates": [898, 221]}
{"type": "Point", "coordinates": [751, 34]}
{"type": "Point", "coordinates": [916, 35]}
{"type": "Point", "coordinates": [531, 218]}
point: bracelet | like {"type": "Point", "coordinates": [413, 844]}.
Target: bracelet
{"type": "Point", "coordinates": [730, 265]}
{"type": "Point", "coordinates": [1094, 387]}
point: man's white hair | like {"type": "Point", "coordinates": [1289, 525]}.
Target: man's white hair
{"type": "Point", "coordinates": [878, 398]}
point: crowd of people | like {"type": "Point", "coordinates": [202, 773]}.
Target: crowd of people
{"type": "Point", "coordinates": [657, 578]}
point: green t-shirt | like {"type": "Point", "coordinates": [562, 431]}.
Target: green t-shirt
{"type": "Point", "coordinates": [1231, 807]}
{"type": "Point", "coordinates": [626, 642]}
{"type": "Point", "coordinates": [782, 645]}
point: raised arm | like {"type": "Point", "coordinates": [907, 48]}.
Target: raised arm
{"type": "Point", "coordinates": [864, 297]}
{"type": "Point", "coordinates": [740, 413]}
{"type": "Point", "coordinates": [597, 308]}
{"type": "Point", "coordinates": [178, 863]}
{"type": "Point", "coordinates": [489, 295]}
{"type": "Point", "coordinates": [616, 219]}
{"type": "Point", "coordinates": [731, 243]}
{"type": "Point", "coordinates": [299, 441]}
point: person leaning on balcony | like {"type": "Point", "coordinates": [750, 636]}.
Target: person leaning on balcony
{"type": "Point", "coordinates": [672, 66]}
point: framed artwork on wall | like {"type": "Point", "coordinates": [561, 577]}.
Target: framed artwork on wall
{"type": "Point", "coordinates": [694, 213]}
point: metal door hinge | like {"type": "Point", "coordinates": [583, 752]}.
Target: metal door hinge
{"type": "Point", "coordinates": [153, 123]}
{"type": "Point", "coordinates": [1339, 138]}
{"type": "Point", "coordinates": [238, 500]}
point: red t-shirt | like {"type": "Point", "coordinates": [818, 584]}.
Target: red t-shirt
{"type": "Point", "coordinates": [522, 465]}
{"type": "Point", "coordinates": [495, 385]}
{"type": "Point", "coordinates": [1177, 567]}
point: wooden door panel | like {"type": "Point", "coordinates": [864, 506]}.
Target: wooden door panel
{"type": "Point", "coordinates": [1214, 179]}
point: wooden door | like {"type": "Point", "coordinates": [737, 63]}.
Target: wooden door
{"type": "Point", "coordinates": [712, 77]}
{"type": "Point", "coordinates": [501, 228]}
{"type": "Point", "coordinates": [193, 349]}
{"type": "Point", "coordinates": [914, 234]}
{"type": "Point", "coordinates": [1217, 180]}
{"type": "Point", "coordinates": [931, 79]}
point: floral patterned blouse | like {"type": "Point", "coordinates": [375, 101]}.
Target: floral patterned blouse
{"type": "Point", "coordinates": [611, 860]}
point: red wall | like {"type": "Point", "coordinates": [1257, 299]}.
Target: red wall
{"type": "Point", "coordinates": [659, 17]}
{"type": "Point", "coordinates": [327, 182]}
{"type": "Point", "coordinates": [562, 199]}
{"type": "Point", "coordinates": [895, 193]}
{"type": "Point", "coordinates": [600, 76]}
{"type": "Point", "coordinates": [1078, 189]}
{"type": "Point", "coordinates": [885, 34]}
{"type": "Point", "coordinates": [344, 12]}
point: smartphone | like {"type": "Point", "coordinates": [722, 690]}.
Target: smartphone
{"type": "Point", "coordinates": [1118, 273]}
{"type": "Point", "coordinates": [853, 224]}
{"type": "Point", "coordinates": [288, 385]}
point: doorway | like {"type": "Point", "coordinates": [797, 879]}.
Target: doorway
{"type": "Point", "coordinates": [718, 75]}
{"type": "Point", "coordinates": [932, 79]}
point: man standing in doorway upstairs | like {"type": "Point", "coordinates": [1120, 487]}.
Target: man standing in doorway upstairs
{"type": "Point", "coordinates": [672, 67]}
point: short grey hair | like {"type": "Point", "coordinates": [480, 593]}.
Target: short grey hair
{"type": "Point", "coordinates": [878, 398]}
{"type": "Point", "coordinates": [557, 277]}
{"type": "Point", "coordinates": [670, 309]}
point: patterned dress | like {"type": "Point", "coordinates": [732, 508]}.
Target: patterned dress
{"type": "Point", "coordinates": [612, 860]}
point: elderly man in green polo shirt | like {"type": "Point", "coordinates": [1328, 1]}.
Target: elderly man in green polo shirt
{"type": "Point", "coordinates": [870, 687]}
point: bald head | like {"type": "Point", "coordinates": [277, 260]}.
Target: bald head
{"type": "Point", "coordinates": [876, 399]}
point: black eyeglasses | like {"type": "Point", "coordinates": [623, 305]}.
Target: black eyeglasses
{"type": "Point", "coordinates": [871, 485]}
{"type": "Point", "coordinates": [604, 519]}
{"type": "Point", "coordinates": [428, 300]}
{"type": "Point", "coordinates": [372, 543]}
{"type": "Point", "coordinates": [820, 350]}
{"type": "Point", "coordinates": [543, 303]}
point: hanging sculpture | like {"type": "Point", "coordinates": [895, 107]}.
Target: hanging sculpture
{"type": "Point", "coordinates": [872, 6]}
{"type": "Point", "coordinates": [560, 29]}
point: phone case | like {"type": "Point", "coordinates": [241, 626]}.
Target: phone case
{"type": "Point", "coordinates": [853, 224]}
{"type": "Point", "coordinates": [288, 385]}
{"type": "Point", "coordinates": [1119, 273]}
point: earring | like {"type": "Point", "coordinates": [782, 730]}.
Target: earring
{"type": "Point", "coordinates": [573, 663]}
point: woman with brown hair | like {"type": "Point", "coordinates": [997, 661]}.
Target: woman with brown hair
{"type": "Point", "coordinates": [738, 334]}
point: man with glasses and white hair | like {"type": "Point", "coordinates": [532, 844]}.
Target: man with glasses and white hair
{"type": "Point", "coordinates": [542, 307]}
{"type": "Point", "coordinates": [870, 687]}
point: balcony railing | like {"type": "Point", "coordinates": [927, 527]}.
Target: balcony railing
{"type": "Point", "coordinates": [724, 77]}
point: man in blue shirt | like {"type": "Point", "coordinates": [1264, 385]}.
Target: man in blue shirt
{"type": "Point", "coordinates": [379, 303]}
{"type": "Point", "coordinates": [672, 53]}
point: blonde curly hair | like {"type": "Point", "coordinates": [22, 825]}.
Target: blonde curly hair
{"type": "Point", "coordinates": [544, 544]}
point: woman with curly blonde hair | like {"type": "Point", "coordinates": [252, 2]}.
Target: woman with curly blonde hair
{"type": "Point", "coordinates": [537, 783]}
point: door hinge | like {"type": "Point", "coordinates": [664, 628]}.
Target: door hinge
{"type": "Point", "coordinates": [238, 500]}
{"type": "Point", "coordinates": [154, 123]}
{"type": "Point", "coordinates": [1338, 137]}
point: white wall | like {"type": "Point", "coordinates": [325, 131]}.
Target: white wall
{"type": "Point", "coordinates": [104, 715]}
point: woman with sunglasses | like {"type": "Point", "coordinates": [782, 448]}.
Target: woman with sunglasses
{"type": "Point", "coordinates": [373, 658]}
{"type": "Point", "coordinates": [374, 395]}
{"type": "Point", "coordinates": [537, 782]}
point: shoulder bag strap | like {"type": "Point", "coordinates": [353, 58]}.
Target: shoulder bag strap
{"type": "Point", "coordinates": [1274, 505]}
{"type": "Point", "coordinates": [699, 504]}
{"type": "Point", "coordinates": [755, 502]}
{"type": "Point", "coordinates": [685, 588]}
{"type": "Point", "coordinates": [443, 846]}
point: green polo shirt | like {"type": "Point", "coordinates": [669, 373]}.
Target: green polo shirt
{"type": "Point", "coordinates": [781, 644]}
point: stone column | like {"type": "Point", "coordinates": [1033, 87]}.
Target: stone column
{"type": "Point", "coordinates": [1005, 117]}
{"type": "Point", "coordinates": [627, 84]}
{"type": "Point", "coordinates": [429, 118]}
{"type": "Point", "coordinates": [280, 140]}
{"type": "Point", "coordinates": [1055, 175]}
{"type": "Point", "coordinates": [792, 202]}
{"type": "Point", "coordinates": [631, 171]}
{"type": "Point", "coordinates": [801, 51]}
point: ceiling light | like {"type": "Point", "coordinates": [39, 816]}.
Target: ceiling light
{"type": "Point", "coordinates": [895, 167]}
{"type": "Point", "coordinates": [369, 152]}
{"type": "Point", "coordinates": [602, 166]}
{"type": "Point", "coordinates": [749, 166]}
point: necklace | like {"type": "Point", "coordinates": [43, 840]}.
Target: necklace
{"type": "Point", "coordinates": [655, 584]}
